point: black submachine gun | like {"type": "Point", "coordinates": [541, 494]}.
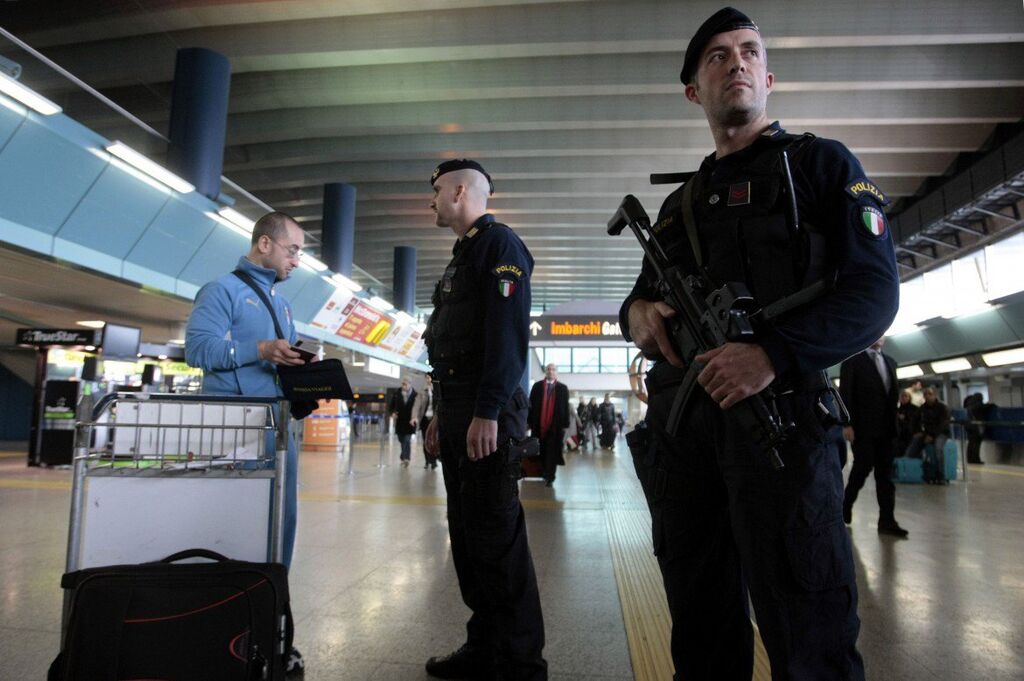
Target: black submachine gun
{"type": "Point", "coordinates": [705, 318]}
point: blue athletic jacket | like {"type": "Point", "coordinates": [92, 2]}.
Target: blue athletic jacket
{"type": "Point", "coordinates": [227, 321]}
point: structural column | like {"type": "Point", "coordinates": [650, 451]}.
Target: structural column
{"type": "Point", "coordinates": [405, 278]}
{"type": "Point", "coordinates": [199, 112]}
{"type": "Point", "coordinates": [339, 227]}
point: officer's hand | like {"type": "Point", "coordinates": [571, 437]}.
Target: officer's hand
{"type": "Point", "coordinates": [482, 438]}
{"type": "Point", "coordinates": [279, 352]}
{"type": "Point", "coordinates": [647, 326]}
{"type": "Point", "coordinates": [848, 433]}
{"type": "Point", "coordinates": [430, 439]}
{"type": "Point", "coordinates": [413, 422]}
{"type": "Point", "coordinates": [734, 372]}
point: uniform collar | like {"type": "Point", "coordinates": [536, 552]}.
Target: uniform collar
{"type": "Point", "coordinates": [478, 225]}
{"type": "Point", "coordinates": [769, 134]}
{"type": "Point", "coordinates": [263, 275]}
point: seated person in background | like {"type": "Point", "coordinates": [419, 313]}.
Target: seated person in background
{"type": "Point", "coordinates": [934, 430]}
{"type": "Point", "coordinates": [908, 421]}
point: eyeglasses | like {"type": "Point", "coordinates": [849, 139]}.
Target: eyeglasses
{"type": "Point", "coordinates": [293, 251]}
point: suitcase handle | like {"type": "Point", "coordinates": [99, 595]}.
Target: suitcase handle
{"type": "Point", "coordinates": [194, 553]}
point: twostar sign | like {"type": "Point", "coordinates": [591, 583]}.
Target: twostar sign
{"type": "Point", "coordinates": [575, 327]}
{"type": "Point", "coordinates": [62, 337]}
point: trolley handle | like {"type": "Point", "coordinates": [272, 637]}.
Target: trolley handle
{"type": "Point", "coordinates": [104, 403]}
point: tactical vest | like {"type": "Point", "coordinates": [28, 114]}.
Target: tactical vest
{"type": "Point", "coordinates": [746, 230]}
{"type": "Point", "coordinates": [455, 331]}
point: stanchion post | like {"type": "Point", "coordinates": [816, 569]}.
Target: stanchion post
{"type": "Point", "coordinates": [351, 445]}
{"type": "Point", "coordinates": [963, 449]}
{"type": "Point", "coordinates": [384, 430]}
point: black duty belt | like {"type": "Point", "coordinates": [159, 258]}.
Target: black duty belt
{"type": "Point", "coordinates": [454, 389]}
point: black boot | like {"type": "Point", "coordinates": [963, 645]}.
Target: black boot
{"type": "Point", "coordinates": [465, 663]}
{"type": "Point", "coordinates": [891, 527]}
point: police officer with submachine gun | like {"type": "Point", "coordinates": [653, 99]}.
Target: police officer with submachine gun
{"type": "Point", "coordinates": [768, 265]}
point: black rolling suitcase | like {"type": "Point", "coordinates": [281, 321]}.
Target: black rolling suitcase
{"type": "Point", "coordinates": [219, 621]}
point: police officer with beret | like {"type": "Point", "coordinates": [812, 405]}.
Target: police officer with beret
{"type": "Point", "coordinates": [477, 340]}
{"type": "Point", "coordinates": [805, 231]}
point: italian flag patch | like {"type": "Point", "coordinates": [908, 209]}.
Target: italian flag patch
{"type": "Point", "coordinates": [873, 220]}
{"type": "Point", "coordinates": [506, 287]}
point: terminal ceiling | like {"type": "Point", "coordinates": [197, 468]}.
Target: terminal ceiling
{"type": "Point", "coordinates": [569, 105]}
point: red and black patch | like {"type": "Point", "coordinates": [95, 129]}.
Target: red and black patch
{"type": "Point", "coordinates": [739, 194]}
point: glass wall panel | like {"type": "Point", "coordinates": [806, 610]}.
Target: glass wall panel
{"type": "Point", "coordinates": [585, 361]}
{"type": "Point", "coordinates": [561, 357]}
{"type": "Point", "coordinates": [614, 360]}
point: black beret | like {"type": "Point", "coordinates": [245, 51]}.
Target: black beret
{"type": "Point", "coordinates": [724, 20]}
{"type": "Point", "coordinates": [460, 164]}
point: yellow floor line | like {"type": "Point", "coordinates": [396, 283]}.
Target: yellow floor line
{"type": "Point", "coordinates": [641, 594]}
{"type": "Point", "coordinates": [13, 455]}
{"type": "Point", "coordinates": [642, 597]}
{"type": "Point", "coordinates": [975, 469]}
{"type": "Point", "coordinates": [15, 483]}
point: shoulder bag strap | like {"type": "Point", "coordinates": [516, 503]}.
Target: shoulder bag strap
{"type": "Point", "coordinates": [244, 276]}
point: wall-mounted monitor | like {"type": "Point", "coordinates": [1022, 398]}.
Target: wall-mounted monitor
{"type": "Point", "coordinates": [121, 342]}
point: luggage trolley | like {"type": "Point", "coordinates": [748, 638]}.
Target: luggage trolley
{"type": "Point", "coordinates": [155, 474]}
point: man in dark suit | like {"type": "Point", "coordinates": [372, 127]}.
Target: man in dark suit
{"type": "Point", "coordinates": [549, 417]}
{"type": "Point", "coordinates": [867, 384]}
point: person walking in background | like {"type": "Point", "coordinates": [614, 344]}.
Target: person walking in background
{"type": "Point", "coordinates": [573, 434]}
{"type": "Point", "coordinates": [583, 412]}
{"type": "Point", "coordinates": [422, 414]}
{"type": "Point", "coordinates": [548, 420]}
{"type": "Point", "coordinates": [593, 422]}
{"type": "Point", "coordinates": [867, 385]}
{"type": "Point", "coordinates": [606, 417]}
{"type": "Point", "coordinates": [402, 412]}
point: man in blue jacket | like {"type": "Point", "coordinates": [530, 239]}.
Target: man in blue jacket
{"type": "Point", "coordinates": [231, 337]}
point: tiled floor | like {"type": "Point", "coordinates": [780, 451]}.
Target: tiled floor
{"type": "Point", "coordinates": [374, 592]}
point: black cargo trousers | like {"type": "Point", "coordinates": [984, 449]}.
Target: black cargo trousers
{"type": "Point", "coordinates": [725, 522]}
{"type": "Point", "coordinates": [487, 527]}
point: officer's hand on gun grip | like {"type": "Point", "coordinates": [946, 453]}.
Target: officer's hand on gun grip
{"type": "Point", "coordinates": [734, 372]}
{"type": "Point", "coordinates": [848, 433]}
{"type": "Point", "coordinates": [279, 352]}
{"type": "Point", "coordinates": [430, 438]}
{"type": "Point", "coordinates": [482, 438]}
{"type": "Point", "coordinates": [647, 326]}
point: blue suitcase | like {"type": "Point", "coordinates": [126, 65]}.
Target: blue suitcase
{"type": "Point", "coordinates": [907, 470]}
{"type": "Point", "coordinates": [938, 468]}
{"type": "Point", "coordinates": [950, 456]}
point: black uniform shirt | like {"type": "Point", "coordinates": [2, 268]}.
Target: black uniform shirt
{"type": "Point", "coordinates": [503, 265]}
{"type": "Point", "coordinates": [835, 196]}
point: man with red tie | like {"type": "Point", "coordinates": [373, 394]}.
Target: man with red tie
{"type": "Point", "coordinates": [549, 417]}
